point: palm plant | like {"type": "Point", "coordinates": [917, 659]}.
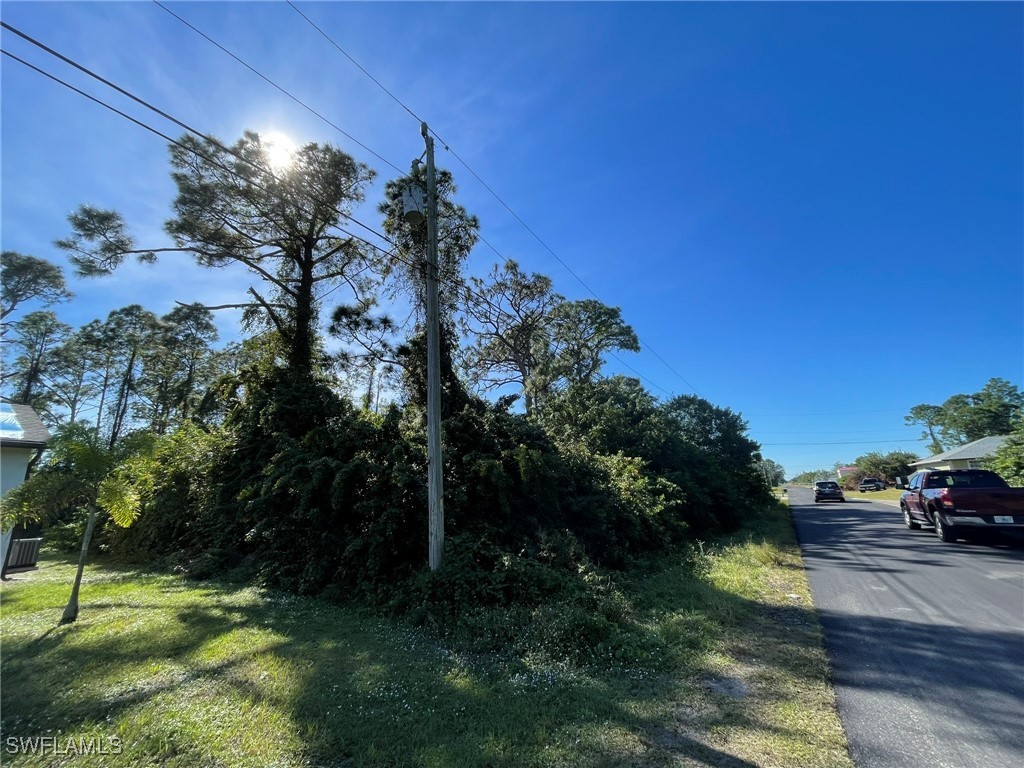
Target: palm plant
{"type": "Point", "coordinates": [82, 472]}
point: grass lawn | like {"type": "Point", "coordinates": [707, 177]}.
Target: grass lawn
{"type": "Point", "coordinates": [892, 494]}
{"type": "Point", "coordinates": [218, 674]}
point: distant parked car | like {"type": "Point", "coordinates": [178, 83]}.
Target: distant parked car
{"type": "Point", "coordinates": [871, 484]}
{"type": "Point", "coordinates": [825, 490]}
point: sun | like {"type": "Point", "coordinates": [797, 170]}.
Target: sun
{"type": "Point", "coordinates": [280, 149]}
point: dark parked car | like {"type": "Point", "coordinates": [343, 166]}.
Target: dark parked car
{"type": "Point", "coordinates": [871, 484]}
{"type": "Point", "coordinates": [825, 490]}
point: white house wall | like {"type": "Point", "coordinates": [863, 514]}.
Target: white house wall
{"type": "Point", "coordinates": [13, 465]}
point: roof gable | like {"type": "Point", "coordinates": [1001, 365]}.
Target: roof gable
{"type": "Point", "coordinates": [979, 449]}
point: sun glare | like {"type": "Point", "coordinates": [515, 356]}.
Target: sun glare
{"type": "Point", "coordinates": [280, 149]}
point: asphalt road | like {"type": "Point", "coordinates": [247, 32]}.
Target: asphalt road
{"type": "Point", "coordinates": [926, 639]}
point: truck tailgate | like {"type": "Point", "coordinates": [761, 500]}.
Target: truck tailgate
{"type": "Point", "coordinates": [989, 501]}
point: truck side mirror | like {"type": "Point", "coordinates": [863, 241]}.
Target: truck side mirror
{"type": "Point", "coordinates": [901, 483]}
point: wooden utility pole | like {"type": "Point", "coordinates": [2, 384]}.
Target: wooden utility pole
{"type": "Point", "coordinates": [435, 489]}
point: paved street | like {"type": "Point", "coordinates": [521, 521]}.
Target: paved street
{"type": "Point", "coordinates": [926, 639]}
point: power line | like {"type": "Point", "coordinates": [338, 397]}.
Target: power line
{"type": "Point", "coordinates": [167, 138]}
{"type": "Point", "coordinates": [317, 114]}
{"type": "Point", "coordinates": [138, 100]}
{"type": "Point", "coordinates": [378, 82]}
{"type": "Point", "coordinates": [547, 247]}
{"type": "Point", "coordinates": [392, 165]}
{"type": "Point", "coordinates": [829, 413]}
{"type": "Point", "coordinates": [829, 432]}
{"type": "Point", "coordinates": [283, 90]}
{"type": "Point", "coordinates": [486, 186]}
{"type": "Point", "coordinates": [459, 286]}
{"type": "Point", "coordinates": [200, 134]}
{"type": "Point", "coordinates": [852, 442]}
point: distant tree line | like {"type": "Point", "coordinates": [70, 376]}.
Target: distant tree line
{"type": "Point", "coordinates": [996, 410]}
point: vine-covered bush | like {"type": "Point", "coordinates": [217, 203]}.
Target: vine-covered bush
{"type": "Point", "coordinates": [302, 491]}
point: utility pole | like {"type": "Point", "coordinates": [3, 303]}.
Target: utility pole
{"type": "Point", "coordinates": [435, 490]}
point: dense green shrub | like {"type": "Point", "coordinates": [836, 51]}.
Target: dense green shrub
{"type": "Point", "coordinates": [177, 487]}
{"type": "Point", "coordinates": [700, 449]}
{"type": "Point", "coordinates": [309, 494]}
{"type": "Point", "coordinates": [1008, 460]}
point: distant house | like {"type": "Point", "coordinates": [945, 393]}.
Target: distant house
{"type": "Point", "coordinates": [965, 457]}
{"type": "Point", "coordinates": [22, 438]}
{"type": "Point", "coordinates": [844, 471]}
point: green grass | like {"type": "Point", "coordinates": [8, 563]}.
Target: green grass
{"type": "Point", "coordinates": [892, 494]}
{"type": "Point", "coordinates": [200, 674]}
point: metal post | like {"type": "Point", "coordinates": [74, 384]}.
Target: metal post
{"type": "Point", "coordinates": [435, 490]}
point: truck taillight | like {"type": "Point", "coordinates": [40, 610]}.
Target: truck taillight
{"type": "Point", "coordinates": [946, 498]}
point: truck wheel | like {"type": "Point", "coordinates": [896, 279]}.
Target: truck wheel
{"type": "Point", "coordinates": [945, 532]}
{"type": "Point", "coordinates": [908, 521]}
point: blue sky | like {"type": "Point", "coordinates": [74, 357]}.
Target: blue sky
{"type": "Point", "coordinates": [812, 212]}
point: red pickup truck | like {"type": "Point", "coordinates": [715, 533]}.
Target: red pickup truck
{"type": "Point", "coordinates": [959, 502]}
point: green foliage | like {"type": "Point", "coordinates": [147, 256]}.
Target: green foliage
{"type": "Point", "coordinates": [30, 357]}
{"type": "Point", "coordinates": [808, 478]}
{"type": "Point", "coordinates": [99, 242]}
{"type": "Point", "coordinates": [28, 278]}
{"type": "Point", "coordinates": [314, 496]}
{"type": "Point", "coordinates": [300, 490]}
{"type": "Point", "coordinates": [65, 537]}
{"type": "Point", "coordinates": [773, 472]}
{"type": "Point", "coordinates": [963, 418]}
{"type": "Point", "coordinates": [119, 500]}
{"type": "Point", "coordinates": [1008, 460]}
{"type": "Point", "coordinates": [232, 207]}
{"type": "Point", "coordinates": [457, 233]}
{"type": "Point", "coordinates": [582, 333]}
{"type": "Point", "coordinates": [508, 316]}
{"type": "Point", "coordinates": [887, 466]}
{"type": "Point", "coordinates": [701, 449]}
{"type": "Point", "coordinates": [164, 491]}
{"type": "Point", "coordinates": [930, 417]}
{"type": "Point", "coordinates": [553, 604]}
{"type": "Point", "coordinates": [78, 462]}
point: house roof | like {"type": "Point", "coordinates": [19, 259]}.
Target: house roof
{"type": "Point", "coordinates": [977, 450]}
{"type": "Point", "coordinates": [20, 427]}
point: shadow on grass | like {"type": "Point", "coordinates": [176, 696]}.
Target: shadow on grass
{"type": "Point", "coordinates": [304, 680]}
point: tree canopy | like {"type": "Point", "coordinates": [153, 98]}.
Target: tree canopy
{"type": "Point", "coordinates": [964, 418]}
{"type": "Point", "coordinates": [887, 466]}
{"type": "Point", "coordinates": [232, 207]}
{"type": "Point", "coordinates": [28, 278]}
{"type": "Point", "coordinates": [508, 315]}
